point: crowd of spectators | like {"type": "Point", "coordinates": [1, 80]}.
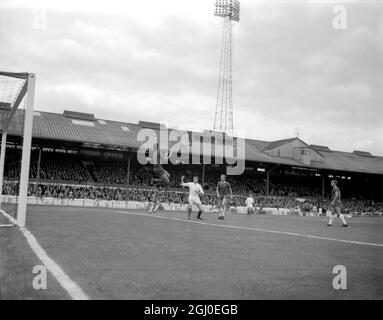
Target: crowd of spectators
{"type": "Point", "coordinates": [65, 175]}
{"type": "Point", "coordinates": [71, 168]}
{"type": "Point", "coordinates": [53, 166]}
{"type": "Point", "coordinates": [62, 191]}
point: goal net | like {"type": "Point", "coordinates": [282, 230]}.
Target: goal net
{"type": "Point", "coordinates": [16, 121]}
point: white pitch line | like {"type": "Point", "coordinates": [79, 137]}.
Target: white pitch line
{"type": "Point", "coordinates": [74, 291]}
{"type": "Point", "coordinates": [258, 229]}
{"type": "Point", "coordinates": [10, 218]}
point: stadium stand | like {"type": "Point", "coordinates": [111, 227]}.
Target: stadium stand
{"type": "Point", "coordinates": [78, 156]}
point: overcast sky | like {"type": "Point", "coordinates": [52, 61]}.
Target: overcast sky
{"type": "Point", "coordinates": [157, 60]}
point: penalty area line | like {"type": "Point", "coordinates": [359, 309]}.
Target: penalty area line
{"type": "Point", "coordinates": [74, 291]}
{"type": "Point", "coordinates": [293, 234]}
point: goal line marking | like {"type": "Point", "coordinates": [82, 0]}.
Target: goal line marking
{"type": "Point", "coordinates": [74, 291]}
{"type": "Point", "coordinates": [257, 229]}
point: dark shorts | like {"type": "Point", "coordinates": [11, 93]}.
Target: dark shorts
{"type": "Point", "coordinates": [335, 210]}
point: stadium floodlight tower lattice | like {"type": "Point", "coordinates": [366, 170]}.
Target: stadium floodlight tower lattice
{"type": "Point", "coordinates": [223, 120]}
{"type": "Point", "coordinates": [17, 90]}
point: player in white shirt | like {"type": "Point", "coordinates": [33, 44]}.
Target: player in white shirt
{"type": "Point", "coordinates": [195, 190]}
{"type": "Point", "coordinates": [250, 204]}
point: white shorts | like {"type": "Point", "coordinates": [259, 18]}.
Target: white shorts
{"type": "Point", "coordinates": [194, 201]}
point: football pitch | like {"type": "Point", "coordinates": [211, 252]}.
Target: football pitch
{"type": "Point", "coordinates": [129, 254]}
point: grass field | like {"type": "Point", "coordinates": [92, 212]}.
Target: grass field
{"type": "Point", "coordinates": [120, 254]}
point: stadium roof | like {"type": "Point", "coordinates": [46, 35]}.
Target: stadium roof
{"type": "Point", "coordinates": [277, 143]}
{"type": "Point", "coordinates": [61, 127]}
{"type": "Point", "coordinates": [345, 161]}
{"type": "Point", "coordinates": [84, 128]}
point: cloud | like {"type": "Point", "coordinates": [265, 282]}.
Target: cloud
{"type": "Point", "coordinates": [158, 61]}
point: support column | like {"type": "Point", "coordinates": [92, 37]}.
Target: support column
{"type": "Point", "coordinates": [128, 170]}
{"type": "Point", "coordinates": [322, 186]}
{"type": "Point", "coordinates": [26, 154]}
{"type": "Point", "coordinates": [38, 169]}
{"type": "Point", "coordinates": [267, 183]}
{"type": "Point", "coordinates": [203, 175]}
{"type": "Point", "coordinates": [127, 177]}
{"type": "Point", "coordinates": [2, 160]}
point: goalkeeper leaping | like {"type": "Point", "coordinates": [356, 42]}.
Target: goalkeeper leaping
{"type": "Point", "coordinates": [195, 190]}
{"type": "Point", "coordinates": [160, 156]}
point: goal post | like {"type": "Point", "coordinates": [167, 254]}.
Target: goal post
{"type": "Point", "coordinates": [17, 90]}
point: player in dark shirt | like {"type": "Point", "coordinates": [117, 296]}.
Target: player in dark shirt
{"type": "Point", "coordinates": [223, 193]}
{"type": "Point", "coordinates": [160, 156]}
{"type": "Point", "coordinates": [154, 200]}
{"type": "Point", "coordinates": [335, 204]}
{"type": "Point", "coordinates": [161, 176]}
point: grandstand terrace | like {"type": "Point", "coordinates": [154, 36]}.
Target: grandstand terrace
{"type": "Point", "coordinates": [91, 154]}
